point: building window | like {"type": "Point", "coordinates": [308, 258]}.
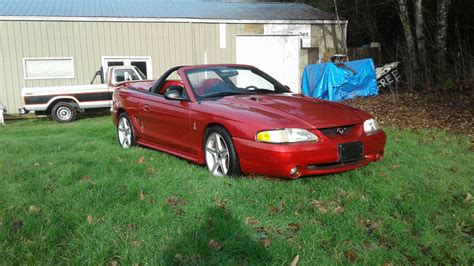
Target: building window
{"type": "Point", "coordinates": [141, 62]}
{"type": "Point", "coordinates": [48, 68]}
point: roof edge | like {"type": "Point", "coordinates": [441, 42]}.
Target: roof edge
{"type": "Point", "coordinates": [168, 20]}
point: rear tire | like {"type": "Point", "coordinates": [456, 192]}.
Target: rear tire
{"type": "Point", "coordinates": [64, 112]}
{"type": "Point", "coordinates": [220, 154]}
{"type": "Point", "coordinates": [125, 133]}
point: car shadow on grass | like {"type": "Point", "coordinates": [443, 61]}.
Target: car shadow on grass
{"type": "Point", "coordinates": [220, 239]}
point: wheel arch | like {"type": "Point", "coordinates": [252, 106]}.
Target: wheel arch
{"type": "Point", "coordinates": [58, 99]}
{"type": "Point", "coordinates": [201, 154]}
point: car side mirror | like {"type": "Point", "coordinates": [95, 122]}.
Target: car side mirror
{"type": "Point", "coordinates": [175, 93]}
{"type": "Point", "coordinates": [286, 86]}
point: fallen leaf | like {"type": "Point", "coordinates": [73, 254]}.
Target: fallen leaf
{"type": "Point", "coordinates": [394, 166]}
{"type": "Point", "coordinates": [85, 178]}
{"type": "Point", "coordinates": [339, 209]}
{"type": "Point", "coordinates": [151, 170]}
{"type": "Point", "coordinates": [34, 209]}
{"type": "Point", "coordinates": [112, 263]}
{"type": "Point", "coordinates": [16, 226]}
{"type": "Point", "coordinates": [141, 195]}
{"type": "Point", "coordinates": [342, 192]}
{"type": "Point", "coordinates": [350, 255]}
{"type": "Point", "coordinates": [152, 201]}
{"type": "Point", "coordinates": [28, 242]}
{"type": "Point", "coordinates": [178, 257]}
{"type": "Point", "coordinates": [90, 219]}
{"type": "Point", "coordinates": [36, 164]}
{"type": "Point", "coordinates": [274, 209]}
{"type": "Point", "coordinates": [222, 204]}
{"type": "Point", "coordinates": [318, 222]}
{"type": "Point", "coordinates": [369, 246]}
{"type": "Point", "coordinates": [266, 242]}
{"type": "Point", "coordinates": [295, 260]}
{"type": "Point", "coordinates": [136, 243]}
{"type": "Point", "coordinates": [251, 221]}
{"type": "Point", "coordinates": [141, 160]}
{"type": "Point", "coordinates": [321, 206]}
{"type": "Point", "coordinates": [171, 201]}
{"type": "Point", "coordinates": [118, 158]}
{"type": "Point", "coordinates": [316, 203]}
{"type": "Point", "coordinates": [468, 198]}
{"type": "Point", "coordinates": [132, 226]}
{"type": "Point", "coordinates": [294, 227]}
{"type": "Point", "coordinates": [214, 245]}
{"type": "Point", "coordinates": [51, 163]}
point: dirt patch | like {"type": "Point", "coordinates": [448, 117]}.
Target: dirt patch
{"type": "Point", "coordinates": [450, 111]}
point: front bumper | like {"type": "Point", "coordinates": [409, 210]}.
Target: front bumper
{"type": "Point", "coordinates": [308, 158]}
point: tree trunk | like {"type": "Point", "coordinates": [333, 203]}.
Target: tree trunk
{"type": "Point", "coordinates": [407, 27]}
{"type": "Point", "coordinates": [441, 36]}
{"type": "Point", "coordinates": [421, 41]}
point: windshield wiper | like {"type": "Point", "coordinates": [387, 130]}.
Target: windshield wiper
{"type": "Point", "coordinates": [222, 94]}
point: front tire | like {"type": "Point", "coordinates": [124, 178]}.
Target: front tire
{"type": "Point", "coordinates": [220, 154]}
{"type": "Point", "coordinates": [64, 112]}
{"type": "Point", "coordinates": [125, 132]}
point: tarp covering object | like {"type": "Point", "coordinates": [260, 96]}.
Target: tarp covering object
{"type": "Point", "coordinates": [341, 81]}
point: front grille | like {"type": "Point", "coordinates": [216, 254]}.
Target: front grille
{"type": "Point", "coordinates": [336, 131]}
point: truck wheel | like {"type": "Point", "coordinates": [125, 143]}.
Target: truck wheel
{"type": "Point", "coordinates": [63, 112]}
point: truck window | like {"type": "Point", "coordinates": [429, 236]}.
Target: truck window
{"type": "Point", "coordinates": [125, 75]}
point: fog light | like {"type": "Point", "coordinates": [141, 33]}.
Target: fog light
{"type": "Point", "coordinates": [295, 171]}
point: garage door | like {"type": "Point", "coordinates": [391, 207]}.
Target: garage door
{"type": "Point", "coordinates": [277, 55]}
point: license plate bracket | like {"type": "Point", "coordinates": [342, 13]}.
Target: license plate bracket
{"type": "Point", "coordinates": [351, 151]}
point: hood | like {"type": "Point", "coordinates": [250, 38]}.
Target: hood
{"type": "Point", "coordinates": [278, 109]}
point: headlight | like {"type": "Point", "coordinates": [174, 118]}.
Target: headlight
{"type": "Point", "coordinates": [370, 125]}
{"type": "Point", "coordinates": [287, 135]}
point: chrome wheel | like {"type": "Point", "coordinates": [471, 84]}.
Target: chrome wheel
{"type": "Point", "coordinates": [64, 113]}
{"type": "Point", "coordinates": [124, 132]}
{"type": "Point", "coordinates": [217, 155]}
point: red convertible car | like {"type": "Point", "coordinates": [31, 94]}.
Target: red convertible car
{"type": "Point", "coordinates": [237, 119]}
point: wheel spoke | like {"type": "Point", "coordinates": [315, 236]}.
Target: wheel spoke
{"type": "Point", "coordinates": [123, 141]}
{"type": "Point", "coordinates": [224, 154]}
{"type": "Point", "coordinates": [219, 145]}
{"type": "Point", "coordinates": [211, 151]}
{"type": "Point", "coordinates": [214, 167]}
{"type": "Point", "coordinates": [223, 166]}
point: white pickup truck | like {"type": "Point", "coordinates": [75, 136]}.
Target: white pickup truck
{"type": "Point", "coordinates": [63, 102]}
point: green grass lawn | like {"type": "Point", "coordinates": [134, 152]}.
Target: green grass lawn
{"type": "Point", "coordinates": [70, 195]}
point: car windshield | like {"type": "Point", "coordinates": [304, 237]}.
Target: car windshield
{"type": "Point", "coordinates": [224, 81]}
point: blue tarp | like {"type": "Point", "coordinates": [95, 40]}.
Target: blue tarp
{"type": "Point", "coordinates": [340, 82]}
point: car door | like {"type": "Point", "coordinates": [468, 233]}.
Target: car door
{"type": "Point", "coordinates": [166, 123]}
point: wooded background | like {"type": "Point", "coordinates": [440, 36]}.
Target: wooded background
{"type": "Point", "coordinates": [433, 39]}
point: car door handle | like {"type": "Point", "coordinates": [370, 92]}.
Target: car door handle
{"type": "Point", "coordinates": [146, 107]}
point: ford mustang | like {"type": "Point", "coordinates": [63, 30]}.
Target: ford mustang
{"type": "Point", "coordinates": [237, 120]}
